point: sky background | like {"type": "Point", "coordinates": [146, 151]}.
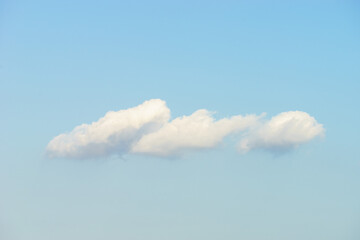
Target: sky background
{"type": "Point", "coordinates": [64, 63]}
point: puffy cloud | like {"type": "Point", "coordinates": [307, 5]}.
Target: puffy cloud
{"type": "Point", "coordinates": [115, 133]}
{"type": "Point", "coordinates": [284, 131]}
{"type": "Point", "coordinates": [196, 131]}
{"type": "Point", "coordinates": [146, 129]}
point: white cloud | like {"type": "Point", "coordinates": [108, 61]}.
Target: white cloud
{"type": "Point", "coordinates": [146, 129]}
{"type": "Point", "coordinates": [284, 131]}
{"type": "Point", "coordinates": [115, 133]}
{"type": "Point", "coordinates": [196, 131]}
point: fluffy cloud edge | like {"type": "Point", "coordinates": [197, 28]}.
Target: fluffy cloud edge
{"type": "Point", "coordinates": [282, 132]}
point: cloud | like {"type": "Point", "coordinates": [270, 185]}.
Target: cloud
{"type": "Point", "coordinates": [283, 132]}
{"type": "Point", "coordinates": [115, 133]}
{"type": "Point", "coordinates": [147, 129]}
{"type": "Point", "coordinates": [197, 131]}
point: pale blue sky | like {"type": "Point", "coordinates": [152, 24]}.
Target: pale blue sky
{"type": "Point", "coordinates": [66, 63]}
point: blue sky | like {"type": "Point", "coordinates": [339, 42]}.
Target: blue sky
{"type": "Point", "coordinates": [66, 63]}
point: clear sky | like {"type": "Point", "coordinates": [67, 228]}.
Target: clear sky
{"type": "Point", "coordinates": [65, 63]}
